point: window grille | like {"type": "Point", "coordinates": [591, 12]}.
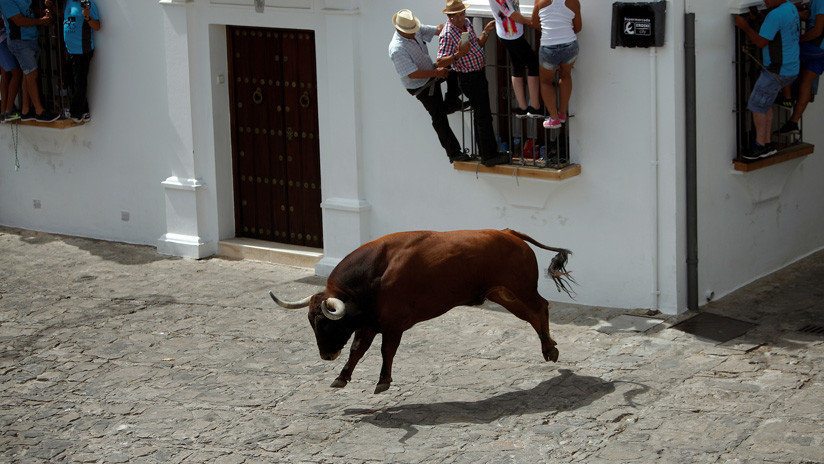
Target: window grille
{"type": "Point", "coordinates": [516, 135]}
{"type": "Point", "coordinates": [748, 67]}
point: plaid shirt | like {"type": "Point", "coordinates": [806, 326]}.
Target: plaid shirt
{"type": "Point", "coordinates": [449, 43]}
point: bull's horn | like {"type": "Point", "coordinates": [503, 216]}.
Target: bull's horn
{"type": "Point", "coordinates": [290, 304]}
{"type": "Point", "coordinates": [333, 308]}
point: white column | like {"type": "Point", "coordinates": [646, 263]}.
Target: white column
{"type": "Point", "coordinates": [345, 210]}
{"type": "Point", "coordinates": [183, 190]}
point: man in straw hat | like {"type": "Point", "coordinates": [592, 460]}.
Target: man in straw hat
{"type": "Point", "coordinates": [467, 60]}
{"type": "Point", "coordinates": [422, 78]}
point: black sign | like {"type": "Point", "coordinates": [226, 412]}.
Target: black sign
{"type": "Point", "coordinates": [638, 24]}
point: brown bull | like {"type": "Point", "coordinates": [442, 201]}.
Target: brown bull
{"type": "Point", "coordinates": [390, 284]}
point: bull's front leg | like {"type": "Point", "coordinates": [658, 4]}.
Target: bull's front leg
{"type": "Point", "coordinates": [361, 343]}
{"type": "Point", "coordinates": [389, 347]}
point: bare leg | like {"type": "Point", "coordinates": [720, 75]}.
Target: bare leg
{"type": "Point", "coordinates": [805, 85]}
{"type": "Point", "coordinates": [548, 91]}
{"type": "Point", "coordinates": [520, 95]}
{"type": "Point", "coordinates": [534, 84]}
{"type": "Point", "coordinates": [565, 84]}
{"type": "Point", "coordinates": [30, 88]}
{"type": "Point", "coordinates": [763, 124]}
{"type": "Point", "coordinates": [361, 343]}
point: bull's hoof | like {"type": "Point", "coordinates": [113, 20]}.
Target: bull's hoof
{"type": "Point", "coordinates": [338, 383]}
{"type": "Point", "coordinates": [551, 354]}
{"type": "Point", "coordinates": [382, 387]}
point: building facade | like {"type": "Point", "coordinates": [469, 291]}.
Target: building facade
{"type": "Point", "coordinates": [188, 95]}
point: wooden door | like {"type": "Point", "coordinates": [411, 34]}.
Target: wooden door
{"type": "Point", "coordinates": [275, 150]}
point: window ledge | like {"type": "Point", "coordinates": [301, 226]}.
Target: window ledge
{"type": "Point", "coordinates": [531, 172]}
{"type": "Point", "coordinates": [59, 124]}
{"type": "Point", "coordinates": [791, 152]}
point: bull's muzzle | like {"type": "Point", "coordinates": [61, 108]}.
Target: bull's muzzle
{"type": "Point", "coordinates": [330, 356]}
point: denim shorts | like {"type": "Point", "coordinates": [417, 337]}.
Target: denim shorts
{"type": "Point", "coordinates": [766, 89]}
{"type": "Point", "coordinates": [27, 52]}
{"type": "Point", "coordinates": [812, 57]}
{"type": "Point", "coordinates": [552, 56]}
{"type": "Point", "coordinates": [7, 61]}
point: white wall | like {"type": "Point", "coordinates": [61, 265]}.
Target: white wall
{"type": "Point", "coordinates": [750, 224]}
{"type": "Point", "coordinates": [86, 176]}
{"type": "Point", "coordinates": [383, 170]}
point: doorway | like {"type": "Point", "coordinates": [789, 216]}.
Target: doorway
{"type": "Point", "coordinates": [274, 126]}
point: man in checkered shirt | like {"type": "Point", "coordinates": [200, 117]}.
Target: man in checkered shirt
{"type": "Point", "coordinates": [468, 61]}
{"type": "Point", "coordinates": [422, 79]}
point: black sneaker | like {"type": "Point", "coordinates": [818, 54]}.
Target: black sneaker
{"type": "Point", "coordinates": [459, 156]}
{"type": "Point", "coordinates": [11, 115]}
{"type": "Point", "coordinates": [521, 113]}
{"type": "Point", "coordinates": [784, 102]}
{"type": "Point", "coordinates": [789, 128]}
{"type": "Point", "coordinates": [501, 158]}
{"type": "Point", "coordinates": [537, 113]}
{"type": "Point", "coordinates": [456, 105]}
{"type": "Point", "coordinates": [759, 152]}
{"type": "Point", "coordinates": [47, 116]}
{"type": "Point", "coordinates": [30, 116]}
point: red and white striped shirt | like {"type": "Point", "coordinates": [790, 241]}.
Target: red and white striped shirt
{"type": "Point", "coordinates": [450, 41]}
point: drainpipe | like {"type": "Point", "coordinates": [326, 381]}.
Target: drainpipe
{"type": "Point", "coordinates": [691, 162]}
{"type": "Point", "coordinates": [656, 263]}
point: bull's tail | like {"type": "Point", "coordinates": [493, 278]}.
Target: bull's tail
{"type": "Point", "coordinates": [557, 267]}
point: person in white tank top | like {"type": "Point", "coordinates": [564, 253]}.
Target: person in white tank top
{"type": "Point", "coordinates": [560, 22]}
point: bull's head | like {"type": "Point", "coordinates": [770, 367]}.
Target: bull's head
{"type": "Point", "coordinates": [327, 318]}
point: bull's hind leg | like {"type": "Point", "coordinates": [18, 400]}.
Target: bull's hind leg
{"type": "Point", "coordinates": [535, 310]}
{"type": "Point", "coordinates": [361, 343]}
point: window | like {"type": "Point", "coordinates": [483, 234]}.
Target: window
{"type": "Point", "coordinates": [748, 68]}
{"type": "Point", "coordinates": [526, 141]}
{"type": "Point", "coordinates": [53, 70]}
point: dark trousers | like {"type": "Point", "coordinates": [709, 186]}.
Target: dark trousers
{"type": "Point", "coordinates": [475, 86]}
{"type": "Point", "coordinates": [79, 71]}
{"type": "Point", "coordinates": [436, 107]}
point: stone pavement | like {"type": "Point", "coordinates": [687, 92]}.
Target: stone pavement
{"type": "Point", "coordinates": [112, 353]}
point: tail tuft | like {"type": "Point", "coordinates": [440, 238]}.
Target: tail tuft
{"type": "Point", "coordinates": [557, 270]}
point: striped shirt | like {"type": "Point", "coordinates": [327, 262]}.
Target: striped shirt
{"type": "Point", "coordinates": [410, 55]}
{"type": "Point", "coordinates": [450, 41]}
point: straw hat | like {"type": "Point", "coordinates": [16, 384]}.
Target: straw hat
{"type": "Point", "coordinates": [406, 22]}
{"type": "Point", "coordinates": [455, 6]}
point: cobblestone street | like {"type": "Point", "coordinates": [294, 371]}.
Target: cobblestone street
{"type": "Point", "coordinates": [111, 353]}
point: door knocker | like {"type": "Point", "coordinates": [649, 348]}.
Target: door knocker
{"type": "Point", "coordinates": [304, 99]}
{"type": "Point", "coordinates": [257, 97]}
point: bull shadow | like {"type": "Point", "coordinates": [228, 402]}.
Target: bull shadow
{"type": "Point", "coordinates": [565, 392]}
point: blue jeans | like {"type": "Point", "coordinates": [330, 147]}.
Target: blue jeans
{"type": "Point", "coordinates": [553, 55]}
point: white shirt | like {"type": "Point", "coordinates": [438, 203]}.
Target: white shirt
{"type": "Point", "coordinates": [556, 24]}
{"type": "Point", "coordinates": [506, 28]}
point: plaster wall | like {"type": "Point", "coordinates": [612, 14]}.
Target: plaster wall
{"type": "Point", "coordinates": [166, 114]}
{"type": "Point", "coordinates": [750, 224]}
{"type": "Point", "coordinates": [86, 178]}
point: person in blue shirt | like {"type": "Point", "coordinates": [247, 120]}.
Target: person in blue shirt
{"type": "Point", "coordinates": [778, 37]}
{"type": "Point", "coordinates": [812, 63]}
{"type": "Point", "coordinates": [21, 29]}
{"type": "Point", "coordinates": [80, 18]}
{"type": "Point", "coordinates": [10, 79]}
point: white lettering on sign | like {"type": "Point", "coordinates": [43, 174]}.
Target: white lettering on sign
{"type": "Point", "coordinates": [638, 26]}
